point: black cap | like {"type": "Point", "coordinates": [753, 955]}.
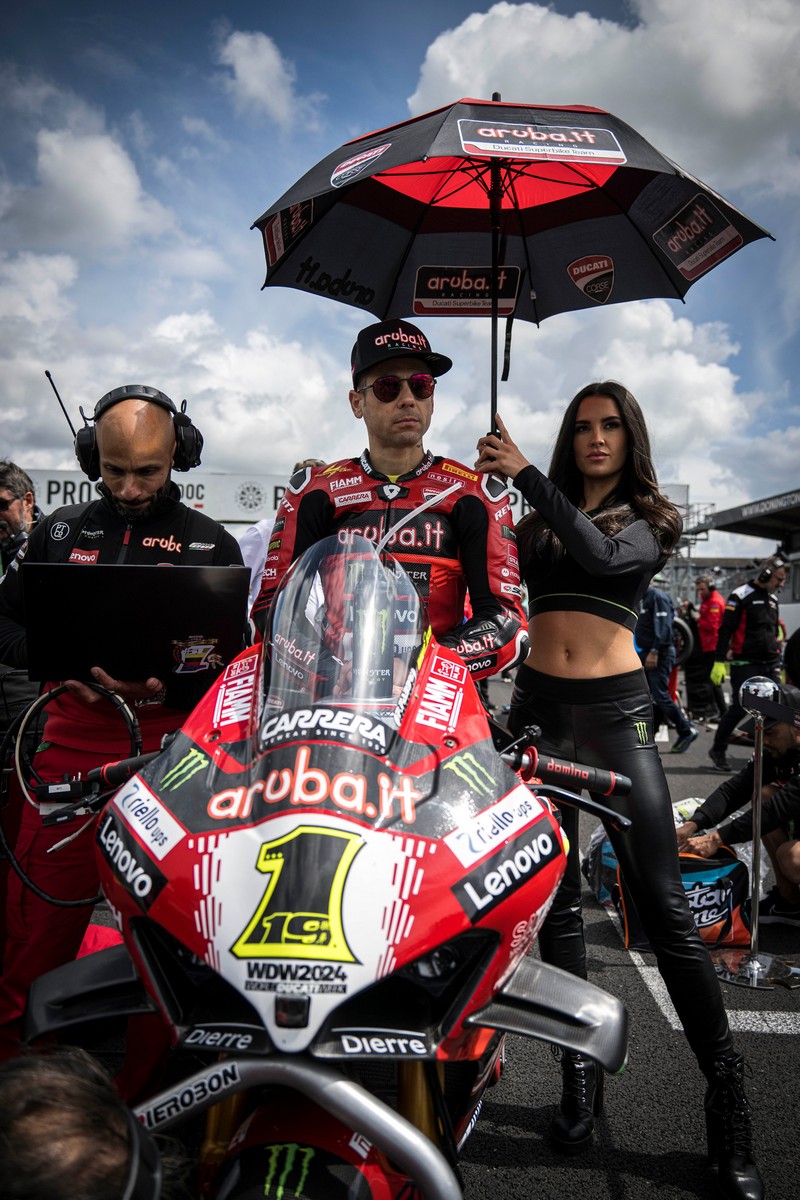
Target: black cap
{"type": "Point", "coordinates": [394, 339]}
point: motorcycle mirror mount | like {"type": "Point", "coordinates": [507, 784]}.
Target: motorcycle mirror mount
{"type": "Point", "coordinates": [529, 736]}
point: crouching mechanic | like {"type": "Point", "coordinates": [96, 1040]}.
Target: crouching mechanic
{"type": "Point", "coordinates": [137, 437]}
{"type": "Point", "coordinates": [450, 527]}
{"type": "Point", "coordinates": [780, 813]}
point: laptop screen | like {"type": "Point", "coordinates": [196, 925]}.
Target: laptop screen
{"type": "Point", "coordinates": [133, 621]}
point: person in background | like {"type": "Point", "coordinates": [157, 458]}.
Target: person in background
{"type": "Point", "coordinates": [712, 608]}
{"type": "Point", "coordinates": [780, 813]}
{"type": "Point", "coordinates": [748, 641]}
{"type": "Point", "coordinates": [600, 530]}
{"type": "Point", "coordinates": [254, 542]}
{"type": "Point", "coordinates": [19, 511]}
{"type": "Point", "coordinates": [19, 514]}
{"type": "Point", "coordinates": [137, 437]}
{"type": "Point", "coordinates": [654, 636]}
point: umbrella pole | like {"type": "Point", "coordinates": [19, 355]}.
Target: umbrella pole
{"type": "Point", "coordinates": [495, 198]}
{"type": "Point", "coordinates": [495, 255]}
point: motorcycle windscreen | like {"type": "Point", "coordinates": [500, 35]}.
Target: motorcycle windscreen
{"type": "Point", "coordinates": [345, 629]}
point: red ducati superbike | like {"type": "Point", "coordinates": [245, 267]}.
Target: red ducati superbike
{"type": "Point", "coordinates": [328, 885]}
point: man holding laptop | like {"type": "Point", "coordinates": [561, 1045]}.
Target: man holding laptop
{"type": "Point", "coordinates": [137, 437]}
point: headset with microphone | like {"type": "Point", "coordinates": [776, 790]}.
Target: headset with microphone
{"type": "Point", "coordinates": [188, 438]}
{"type": "Point", "coordinates": [145, 1175]}
{"type": "Point", "coordinates": [769, 567]}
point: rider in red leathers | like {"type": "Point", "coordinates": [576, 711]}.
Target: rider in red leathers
{"type": "Point", "coordinates": [450, 527]}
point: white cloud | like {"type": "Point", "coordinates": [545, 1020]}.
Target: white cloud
{"type": "Point", "coordinates": [683, 375]}
{"type": "Point", "coordinates": [263, 81]}
{"type": "Point", "coordinates": [89, 197]}
{"type": "Point", "coordinates": [32, 101]}
{"type": "Point", "coordinates": [32, 288]}
{"type": "Point", "coordinates": [189, 259]}
{"type": "Point", "coordinates": [712, 83]}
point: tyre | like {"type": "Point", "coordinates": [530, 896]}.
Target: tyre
{"type": "Point", "coordinates": [682, 640]}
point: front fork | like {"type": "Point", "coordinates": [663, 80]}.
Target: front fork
{"type": "Point", "coordinates": [222, 1121]}
{"type": "Point", "coordinates": [415, 1099]}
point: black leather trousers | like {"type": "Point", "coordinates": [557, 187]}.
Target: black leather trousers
{"type": "Point", "coordinates": [609, 723]}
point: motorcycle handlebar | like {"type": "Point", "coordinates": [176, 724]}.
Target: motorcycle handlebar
{"type": "Point", "coordinates": [114, 774]}
{"type": "Point", "coordinates": [550, 769]}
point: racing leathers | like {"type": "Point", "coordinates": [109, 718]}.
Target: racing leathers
{"type": "Point", "coordinates": [450, 528]}
{"type": "Point", "coordinates": [81, 736]}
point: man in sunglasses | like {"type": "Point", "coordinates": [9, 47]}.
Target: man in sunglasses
{"type": "Point", "coordinates": [450, 527]}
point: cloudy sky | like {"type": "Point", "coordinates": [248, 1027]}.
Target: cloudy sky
{"type": "Point", "coordinates": [139, 143]}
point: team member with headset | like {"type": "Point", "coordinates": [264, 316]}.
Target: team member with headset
{"type": "Point", "coordinates": [135, 439]}
{"type": "Point", "coordinates": [748, 640]}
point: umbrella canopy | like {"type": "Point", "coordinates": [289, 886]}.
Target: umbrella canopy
{"type": "Point", "coordinates": [487, 208]}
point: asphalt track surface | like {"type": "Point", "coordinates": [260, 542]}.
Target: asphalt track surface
{"type": "Point", "coordinates": [650, 1142]}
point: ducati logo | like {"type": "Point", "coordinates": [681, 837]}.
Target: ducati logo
{"type": "Point", "coordinates": [391, 491]}
{"type": "Point", "coordinates": [594, 276]}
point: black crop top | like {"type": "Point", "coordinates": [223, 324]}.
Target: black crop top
{"type": "Point", "coordinates": [598, 574]}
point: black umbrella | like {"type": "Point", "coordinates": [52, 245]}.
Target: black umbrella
{"type": "Point", "coordinates": [488, 208]}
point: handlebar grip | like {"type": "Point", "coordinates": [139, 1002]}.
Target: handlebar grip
{"type": "Point", "coordinates": [114, 774]}
{"type": "Point", "coordinates": [550, 769]}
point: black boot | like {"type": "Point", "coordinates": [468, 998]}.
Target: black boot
{"type": "Point", "coordinates": [729, 1132]}
{"type": "Point", "coordinates": [581, 1101]}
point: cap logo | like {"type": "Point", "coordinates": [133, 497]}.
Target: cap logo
{"type": "Point", "coordinates": [401, 338]}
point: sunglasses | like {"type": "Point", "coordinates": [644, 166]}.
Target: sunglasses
{"type": "Point", "coordinates": [389, 387]}
{"type": "Point", "coordinates": [6, 504]}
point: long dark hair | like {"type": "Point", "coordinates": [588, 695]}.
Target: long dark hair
{"type": "Point", "coordinates": [636, 494]}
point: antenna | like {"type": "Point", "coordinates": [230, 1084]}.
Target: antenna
{"type": "Point", "coordinates": [61, 402]}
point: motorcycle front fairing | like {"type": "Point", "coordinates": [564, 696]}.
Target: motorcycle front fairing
{"type": "Point", "coordinates": [332, 834]}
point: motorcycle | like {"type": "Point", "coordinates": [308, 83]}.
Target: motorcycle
{"type": "Point", "coordinates": [328, 885]}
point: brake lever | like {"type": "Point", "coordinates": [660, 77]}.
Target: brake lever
{"type": "Point", "coordinates": [585, 804]}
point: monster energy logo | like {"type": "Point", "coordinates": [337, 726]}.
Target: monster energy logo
{"type": "Point", "coordinates": [641, 731]}
{"type": "Point", "coordinates": [183, 771]}
{"type": "Point", "coordinates": [282, 1160]}
{"type": "Point", "coordinates": [467, 767]}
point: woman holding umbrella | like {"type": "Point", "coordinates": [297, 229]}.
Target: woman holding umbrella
{"type": "Point", "coordinates": [599, 531]}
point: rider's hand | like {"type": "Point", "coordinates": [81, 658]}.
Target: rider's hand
{"type": "Point", "coordinates": [130, 689]}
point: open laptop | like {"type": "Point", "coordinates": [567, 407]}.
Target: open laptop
{"type": "Point", "coordinates": [133, 621]}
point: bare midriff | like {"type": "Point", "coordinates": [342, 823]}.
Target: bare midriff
{"type": "Point", "coordinates": [577, 645]}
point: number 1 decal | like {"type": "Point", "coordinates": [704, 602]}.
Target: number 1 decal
{"type": "Point", "coordinates": [313, 862]}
